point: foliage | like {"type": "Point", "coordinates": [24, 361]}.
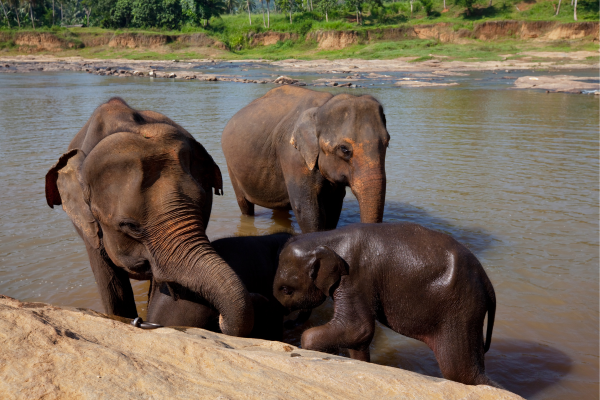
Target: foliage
{"type": "Point", "coordinates": [427, 6]}
{"type": "Point", "coordinates": [468, 4]}
{"type": "Point", "coordinates": [226, 20]}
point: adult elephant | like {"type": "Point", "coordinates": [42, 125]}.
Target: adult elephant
{"type": "Point", "coordinates": [298, 148]}
{"type": "Point", "coordinates": [138, 188]}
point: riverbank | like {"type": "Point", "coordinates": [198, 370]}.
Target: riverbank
{"type": "Point", "coordinates": [484, 41]}
{"type": "Point", "coordinates": [50, 352]}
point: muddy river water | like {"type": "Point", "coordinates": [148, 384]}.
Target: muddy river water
{"type": "Point", "coordinates": [511, 174]}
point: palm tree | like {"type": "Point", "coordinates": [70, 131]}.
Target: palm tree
{"type": "Point", "coordinates": [5, 14]}
{"type": "Point", "coordinates": [262, 8]}
{"type": "Point", "coordinates": [268, 15]}
{"type": "Point", "coordinates": [15, 4]}
{"type": "Point", "coordinates": [31, 5]}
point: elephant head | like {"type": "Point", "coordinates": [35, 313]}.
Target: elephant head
{"type": "Point", "coordinates": [347, 139]}
{"type": "Point", "coordinates": [307, 276]}
{"type": "Point", "coordinates": [141, 196]}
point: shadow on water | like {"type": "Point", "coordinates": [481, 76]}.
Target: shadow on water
{"type": "Point", "coordinates": [526, 367]}
{"type": "Point", "coordinates": [520, 366]}
{"type": "Point", "coordinates": [476, 239]}
{"type": "Point", "coordinates": [270, 221]}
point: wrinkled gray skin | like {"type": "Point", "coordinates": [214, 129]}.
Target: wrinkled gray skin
{"type": "Point", "coordinates": [299, 149]}
{"type": "Point", "coordinates": [254, 259]}
{"type": "Point", "coordinates": [138, 188]}
{"type": "Point", "coordinates": [421, 283]}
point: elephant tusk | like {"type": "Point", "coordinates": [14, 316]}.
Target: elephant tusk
{"type": "Point", "coordinates": [139, 323]}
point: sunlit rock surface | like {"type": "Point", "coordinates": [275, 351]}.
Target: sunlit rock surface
{"type": "Point", "coordinates": [53, 353]}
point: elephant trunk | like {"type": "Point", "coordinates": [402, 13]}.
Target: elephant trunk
{"type": "Point", "coordinates": [369, 189]}
{"type": "Point", "coordinates": [183, 255]}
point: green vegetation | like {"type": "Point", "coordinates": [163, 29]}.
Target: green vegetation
{"type": "Point", "coordinates": [236, 24]}
{"type": "Point", "coordinates": [298, 16]}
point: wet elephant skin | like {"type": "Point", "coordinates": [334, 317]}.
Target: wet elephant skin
{"type": "Point", "coordinates": [298, 149]}
{"type": "Point", "coordinates": [254, 259]}
{"type": "Point", "coordinates": [138, 188]}
{"type": "Point", "coordinates": [420, 283]}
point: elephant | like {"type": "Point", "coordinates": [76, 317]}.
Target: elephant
{"type": "Point", "coordinates": [418, 282]}
{"type": "Point", "coordinates": [298, 149]}
{"type": "Point", "coordinates": [138, 189]}
{"type": "Point", "coordinates": [254, 259]}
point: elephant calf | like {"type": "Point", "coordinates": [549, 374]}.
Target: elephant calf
{"type": "Point", "coordinates": [254, 259]}
{"type": "Point", "coordinates": [421, 283]}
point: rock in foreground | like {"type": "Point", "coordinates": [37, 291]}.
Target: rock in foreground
{"type": "Point", "coordinates": [48, 352]}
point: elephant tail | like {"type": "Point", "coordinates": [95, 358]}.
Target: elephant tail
{"type": "Point", "coordinates": [491, 311]}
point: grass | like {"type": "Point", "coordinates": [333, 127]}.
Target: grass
{"type": "Point", "coordinates": [237, 33]}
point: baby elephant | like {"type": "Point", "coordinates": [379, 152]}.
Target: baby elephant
{"type": "Point", "coordinates": [421, 283]}
{"type": "Point", "coordinates": [254, 259]}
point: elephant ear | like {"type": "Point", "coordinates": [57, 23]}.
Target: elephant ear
{"type": "Point", "coordinates": [304, 137]}
{"type": "Point", "coordinates": [206, 171]}
{"type": "Point", "coordinates": [328, 269]}
{"type": "Point", "coordinates": [52, 193]}
{"type": "Point", "coordinates": [63, 187]}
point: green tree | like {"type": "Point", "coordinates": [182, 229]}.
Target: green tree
{"type": "Point", "coordinates": [16, 6]}
{"type": "Point", "coordinates": [355, 6]}
{"type": "Point", "coordinates": [288, 6]}
{"type": "Point", "coordinates": [122, 14]}
{"type": "Point", "coordinates": [428, 6]}
{"type": "Point", "coordinates": [325, 6]}
{"type": "Point", "coordinates": [206, 9]}
{"type": "Point", "coordinates": [468, 4]}
{"type": "Point", "coordinates": [5, 13]}
{"type": "Point", "coordinates": [156, 13]}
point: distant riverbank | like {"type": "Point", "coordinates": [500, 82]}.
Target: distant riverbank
{"type": "Point", "coordinates": [478, 42]}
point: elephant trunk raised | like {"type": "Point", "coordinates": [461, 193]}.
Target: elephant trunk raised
{"type": "Point", "coordinates": [369, 189]}
{"type": "Point", "coordinates": [180, 249]}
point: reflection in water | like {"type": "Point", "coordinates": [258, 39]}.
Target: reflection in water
{"type": "Point", "coordinates": [276, 221]}
{"type": "Point", "coordinates": [511, 174]}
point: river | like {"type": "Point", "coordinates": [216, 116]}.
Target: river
{"type": "Point", "coordinates": [511, 174]}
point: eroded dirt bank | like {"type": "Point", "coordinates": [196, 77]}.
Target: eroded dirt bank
{"type": "Point", "coordinates": [446, 33]}
{"type": "Point", "coordinates": [49, 352]}
{"type": "Point", "coordinates": [30, 42]}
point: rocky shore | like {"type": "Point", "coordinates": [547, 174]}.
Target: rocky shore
{"type": "Point", "coordinates": [50, 352]}
{"type": "Point", "coordinates": [351, 73]}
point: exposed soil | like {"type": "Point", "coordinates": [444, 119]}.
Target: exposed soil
{"type": "Point", "coordinates": [30, 42]}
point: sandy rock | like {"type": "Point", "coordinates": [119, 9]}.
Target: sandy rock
{"type": "Point", "coordinates": [285, 80]}
{"type": "Point", "coordinates": [49, 352]}
{"type": "Point", "coordinates": [557, 83]}
{"type": "Point", "coordinates": [411, 83]}
{"type": "Point", "coordinates": [172, 75]}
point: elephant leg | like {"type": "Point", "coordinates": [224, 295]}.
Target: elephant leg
{"type": "Point", "coordinates": [352, 327]}
{"type": "Point", "coordinates": [362, 355]}
{"type": "Point", "coordinates": [246, 207]}
{"type": "Point", "coordinates": [331, 200]}
{"type": "Point", "coordinates": [305, 204]}
{"type": "Point", "coordinates": [460, 355]}
{"type": "Point", "coordinates": [113, 284]}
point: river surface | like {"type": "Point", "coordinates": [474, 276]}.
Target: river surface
{"type": "Point", "coordinates": [511, 174]}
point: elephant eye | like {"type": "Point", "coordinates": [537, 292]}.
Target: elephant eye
{"type": "Point", "coordinates": [129, 227]}
{"type": "Point", "coordinates": [346, 152]}
{"type": "Point", "coordinates": [287, 290]}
